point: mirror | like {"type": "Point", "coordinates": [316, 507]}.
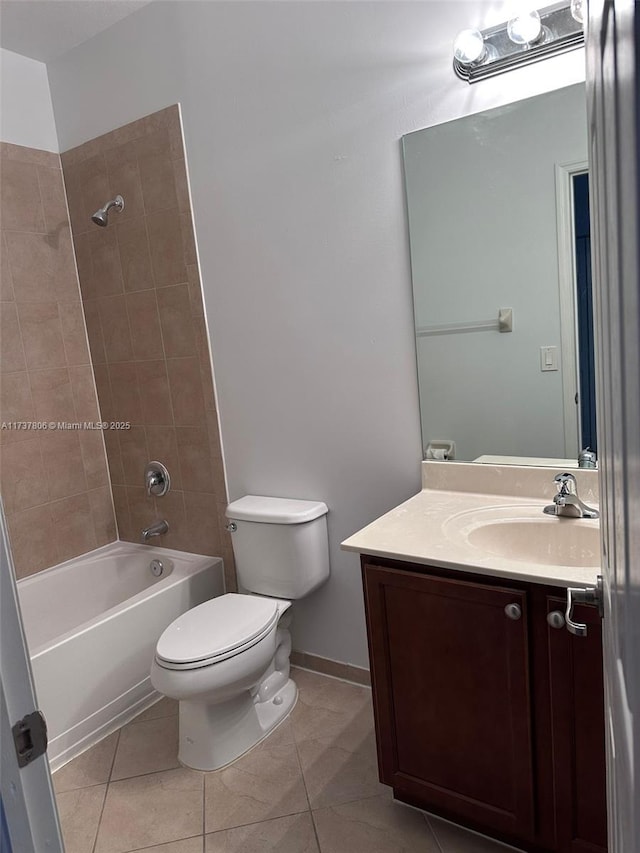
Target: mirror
{"type": "Point", "coordinates": [499, 234]}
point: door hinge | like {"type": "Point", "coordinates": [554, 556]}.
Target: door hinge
{"type": "Point", "coordinates": [30, 737]}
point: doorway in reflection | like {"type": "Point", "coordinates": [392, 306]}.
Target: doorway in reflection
{"type": "Point", "coordinates": [586, 393]}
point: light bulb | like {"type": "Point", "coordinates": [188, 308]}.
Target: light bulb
{"type": "Point", "coordinates": [525, 28]}
{"type": "Point", "coordinates": [469, 48]}
{"type": "Point", "coordinates": [577, 10]}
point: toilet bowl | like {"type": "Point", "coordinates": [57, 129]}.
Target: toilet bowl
{"type": "Point", "coordinates": [227, 660]}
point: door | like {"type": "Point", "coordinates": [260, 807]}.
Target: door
{"type": "Point", "coordinates": [612, 98]}
{"type": "Point", "coordinates": [451, 694]}
{"type": "Point", "coordinates": [28, 810]}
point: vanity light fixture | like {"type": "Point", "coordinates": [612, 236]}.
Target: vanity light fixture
{"type": "Point", "coordinates": [578, 9]}
{"type": "Point", "coordinates": [529, 36]}
{"type": "Point", "coordinates": [525, 28]}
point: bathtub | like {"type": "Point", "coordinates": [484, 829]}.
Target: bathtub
{"type": "Point", "coordinates": [92, 625]}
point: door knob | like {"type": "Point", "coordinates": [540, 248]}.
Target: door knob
{"type": "Point", "coordinates": [592, 595]}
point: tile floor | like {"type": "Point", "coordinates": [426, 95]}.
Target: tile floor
{"type": "Point", "coordinates": [310, 787]}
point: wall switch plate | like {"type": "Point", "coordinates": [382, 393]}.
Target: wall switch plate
{"type": "Point", "coordinates": [548, 358]}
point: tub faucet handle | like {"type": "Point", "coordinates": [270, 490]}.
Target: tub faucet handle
{"type": "Point", "coordinates": [157, 479]}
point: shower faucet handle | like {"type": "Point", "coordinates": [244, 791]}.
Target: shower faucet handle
{"type": "Point", "coordinates": [157, 479]}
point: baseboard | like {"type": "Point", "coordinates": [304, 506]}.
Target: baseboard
{"type": "Point", "coordinates": [334, 668]}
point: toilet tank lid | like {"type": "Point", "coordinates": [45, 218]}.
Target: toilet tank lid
{"type": "Point", "coordinates": [275, 510]}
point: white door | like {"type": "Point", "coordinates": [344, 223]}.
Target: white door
{"type": "Point", "coordinates": [613, 53]}
{"type": "Point", "coordinates": [27, 795]}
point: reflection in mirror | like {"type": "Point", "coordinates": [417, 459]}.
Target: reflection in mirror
{"type": "Point", "coordinates": [498, 219]}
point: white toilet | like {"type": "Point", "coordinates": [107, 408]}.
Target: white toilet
{"type": "Point", "coordinates": [227, 660]}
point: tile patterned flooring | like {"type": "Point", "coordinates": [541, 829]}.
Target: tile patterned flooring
{"type": "Point", "coordinates": [310, 787]}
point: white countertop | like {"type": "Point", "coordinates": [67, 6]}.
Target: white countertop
{"type": "Point", "coordinates": [423, 529]}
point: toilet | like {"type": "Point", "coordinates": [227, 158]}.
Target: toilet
{"type": "Point", "coordinates": [227, 660]}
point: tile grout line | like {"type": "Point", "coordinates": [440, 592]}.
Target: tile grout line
{"type": "Point", "coordinates": [204, 807]}
{"type": "Point", "coordinates": [433, 833]}
{"type": "Point", "coordinates": [304, 782]}
{"type": "Point", "coordinates": [254, 822]}
{"type": "Point", "coordinates": [162, 844]}
{"type": "Point", "coordinates": [104, 802]}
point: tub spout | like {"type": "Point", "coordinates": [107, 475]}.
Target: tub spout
{"type": "Point", "coordinates": [155, 529]}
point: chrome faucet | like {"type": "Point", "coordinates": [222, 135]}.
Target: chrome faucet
{"type": "Point", "coordinates": [587, 458]}
{"type": "Point", "coordinates": [156, 529]}
{"type": "Point", "coordinates": [567, 502]}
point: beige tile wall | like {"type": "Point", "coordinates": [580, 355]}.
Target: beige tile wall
{"type": "Point", "coordinates": [143, 306]}
{"type": "Point", "coordinates": [54, 483]}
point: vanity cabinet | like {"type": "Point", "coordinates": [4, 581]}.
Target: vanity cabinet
{"type": "Point", "coordinates": [485, 713]}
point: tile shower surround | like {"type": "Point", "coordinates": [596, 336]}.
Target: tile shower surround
{"type": "Point", "coordinates": [145, 320]}
{"type": "Point", "coordinates": [54, 484]}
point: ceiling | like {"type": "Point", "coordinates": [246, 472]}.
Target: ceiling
{"type": "Point", "coordinates": [45, 29]}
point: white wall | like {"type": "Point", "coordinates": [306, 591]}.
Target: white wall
{"type": "Point", "coordinates": [293, 115]}
{"type": "Point", "coordinates": [485, 391]}
{"type": "Point", "coordinates": [26, 111]}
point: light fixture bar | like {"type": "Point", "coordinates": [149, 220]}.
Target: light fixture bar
{"type": "Point", "coordinates": [560, 33]}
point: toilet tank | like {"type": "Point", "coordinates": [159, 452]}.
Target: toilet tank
{"type": "Point", "coordinates": [281, 546]}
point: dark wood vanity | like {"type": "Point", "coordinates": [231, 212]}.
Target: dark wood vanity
{"type": "Point", "coordinates": [487, 714]}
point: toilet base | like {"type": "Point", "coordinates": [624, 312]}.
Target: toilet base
{"type": "Point", "coordinates": [212, 736]}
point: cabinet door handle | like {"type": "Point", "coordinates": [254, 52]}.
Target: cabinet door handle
{"type": "Point", "coordinates": [555, 619]}
{"type": "Point", "coordinates": [591, 595]}
{"type": "Point", "coordinates": [513, 611]}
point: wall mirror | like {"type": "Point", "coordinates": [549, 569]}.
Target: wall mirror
{"type": "Point", "coordinates": [499, 235]}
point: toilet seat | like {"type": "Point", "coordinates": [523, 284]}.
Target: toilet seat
{"type": "Point", "coordinates": [216, 630]}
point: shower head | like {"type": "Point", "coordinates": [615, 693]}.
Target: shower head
{"type": "Point", "coordinates": [101, 216]}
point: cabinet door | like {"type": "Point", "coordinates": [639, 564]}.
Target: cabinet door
{"type": "Point", "coordinates": [577, 720]}
{"type": "Point", "coordinates": [451, 695]}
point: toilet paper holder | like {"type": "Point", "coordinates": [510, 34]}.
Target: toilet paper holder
{"type": "Point", "coordinates": [442, 450]}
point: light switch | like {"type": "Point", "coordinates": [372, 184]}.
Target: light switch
{"type": "Point", "coordinates": [548, 358]}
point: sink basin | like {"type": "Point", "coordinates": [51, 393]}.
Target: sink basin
{"type": "Point", "coordinates": [524, 534]}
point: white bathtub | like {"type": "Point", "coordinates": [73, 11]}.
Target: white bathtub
{"type": "Point", "coordinates": [92, 625]}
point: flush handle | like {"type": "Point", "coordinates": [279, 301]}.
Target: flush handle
{"type": "Point", "coordinates": [513, 611]}
{"type": "Point", "coordinates": [592, 595]}
{"type": "Point", "coordinates": [231, 527]}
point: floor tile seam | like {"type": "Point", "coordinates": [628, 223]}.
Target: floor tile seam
{"type": "Point", "coordinates": [301, 738]}
{"type": "Point", "coordinates": [319, 702]}
{"type": "Point", "coordinates": [137, 722]}
{"type": "Point", "coordinates": [81, 788]}
{"type": "Point", "coordinates": [333, 677]}
{"type": "Point", "coordinates": [106, 792]}
{"type": "Point", "coordinates": [115, 753]}
{"type": "Point", "coordinates": [204, 808]}
{"type": "Point", "coordinates": [148, 719]}
{"type": "Point", "coordinates": [433, 833]}
{"type": "Point", "coordinates": [99, 821]}
{"type": "Point", "coordinates": [258, 822]}
{"type": "Point", "coordinates": [148, 773]}
{"type": "Point", "coordinates": [315, 831]}
{"type": "Point", "coordinates": [151, 846]}
{"type": "Point", "coordinates": [255, 822]}
{"type": "Point", "coordinates": [333, 745]}
{"type": "Point", "coordinates": [152, 772]}
{"type": "Point", "coordinates": [302, 776]}
{"type": "Point", "coordinates": [345, 803]}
